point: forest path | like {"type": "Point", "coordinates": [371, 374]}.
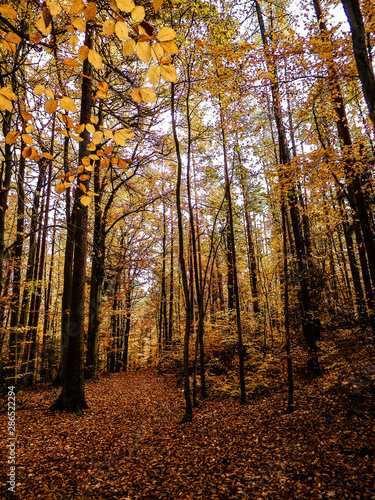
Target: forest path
{"type": "Point", "coordinates": [130, 445]}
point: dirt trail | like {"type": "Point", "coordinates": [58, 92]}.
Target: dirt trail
{"type": "Point", "coordinates": [130, 445]}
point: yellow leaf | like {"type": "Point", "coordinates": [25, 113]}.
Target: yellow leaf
{"type": "Point", "coordinates": [41, 25]}
{"type": "Point", "coordinates": [8, 11]}
{"type": "Point", "coordinates": [78, 129]}
{"type": "Point", "coordinates": [85, 200]}
{"type": "Point", "coordinates": [77, 7]}
{"type": "Point", "coordinates": [144, 51]}
{"type": "Point", "coordinates": [70, 29]}
{"type": "Point", "coordinates": [90, 128]}
{"type": "Point", "coordinates": [11, 137]}
{"type": "Point", "coordinates": [30, 128]}
{"type": "Point", "coordinates": [48, 156]}
{"type": "Point", "coordinates": [90, 11]}
{"type": "Point", "coordinates": [73, 40]}
{"type": "Point", "coordinates": [121, 136]}
{"type": "Point", "coordinates": [157, 51]}
{"type": "Point", "coordinates": [108, 27]}
{"type": "Point", "coordinates": [54, 8]}
{"type": "Point", "coordinates": [51, 106]}
{"type": "Point", "coordinates": [79, 24]}
{"type": "Point", "coordinates": [166, 60]}
{"type": "Point", "coordinates": [95, 59]}
{"type": "Point", "coordinates": [60, 188]}
{"type": "Point", "coordinates": [170, 47]}
{"type": "Point", "coordinates": [93, 118]}
{"type": "Point", "coordinates": [12, 47]}
{"type": "Point", "coordinates": [80, 169]}
{"type": "Point", "coordinates": [128, 47]}
{"type": "Point", "coordinates": [136, 95]}
{"type": "Point", "coordinates": [86, 161]}
{"type": "Point", "coordinates": [138, 14]}
{"type": "Point", "coordinates": [35, 37]}
{"type": "Point", "coordinates": [125, 5]}
{"type": "Point", "coordinates": [166, 34]}
{"type": "Point", "coordinates": [39, 89]}
{"type": "Point", "coordinates": [109, 135]}
{"type": "Point", "coordinates": [153, 74]}
{"type": "Point", "coordinates": [67, 184]}
{"type": "Point", "coordinates": [68, 104]}
{"type": "Point", "coordinates": [5, 103]}
{"type": "Point", "coordinates": [84, 177]}
{"type": "Point", "coordinates": [26, 116]}
{"type": "Point", "coordinates": [148, 95]}
{"type": "Point", "coordinates": [12, 37]}
{"type": "Point", "coordinates": [72, 63]}
{"type": "Point", "coordinates": [49, 93]}
{"type": "Point", "coordinates": [34, 155]}
{"type": "Point", "coordinates": [97, 137]}
{"type": "Point", "coordinates": [8, 93]}
{"type": "Point", "coordinates": [122, 164]}
{"type": "Point", "coordinates": [157, 4]}
{"type": "Point", "coordinates": [83, 53]}
{"type": "Point", "coordinates": [92, 193]}
{"type": "Point", "coordinates": [168, 72]}
{"type": "Point", "coordinates": [26, 152]}
{"type": "Point", "coordinates": [121, 30]}
{"type": "Point", "coordinates": [27, 138]}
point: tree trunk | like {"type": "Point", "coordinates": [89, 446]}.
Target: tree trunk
{"type": "Point", "coordinates": [72, 397]}
{"type": "Point", "coordinates": [353, 13]}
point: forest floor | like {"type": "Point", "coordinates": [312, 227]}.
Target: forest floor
{"type": "Point", "coordinates": [131, 445]}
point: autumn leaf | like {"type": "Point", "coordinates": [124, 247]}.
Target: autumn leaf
{"type": "Point", "coordinates": [138, 14]}
{"type": "Point", "coordinates": [125, 5]}
{"type": "Point", "coordinates": [41, 25]}
{"type": "Point", "coordinates": [170, 47]}
{"type": "Point", "coordinates": [26, 116]}
{"type": "Point", "coordinates": [72, 63]}
{"type": "Point", "coordinates": [39, 89]}
{"type": "Point", "coordinates": [157, 51]}
{"type": "Point", "coordinates": [128, 47]}
{"type": "Point", "coordinates": [85, 200]}
{"type": "Point", "coordinates": [79, 24]}
{"type": "Point", "coordinates": [102, 91]}
{"type": "Point", "coordinates": [168, 72]}
{"type": "Point", "coordinates": [109, 27]}
{"type": "Point", "coordinates": [83, 53]}
{"type": "Point", "coordinates": [90, 11]}
{"type": "Point", "coordinates": [148, 95]}
{"type": "Point", "coordinates": [166, 34]}
{"type": "Point", "coordinates": [97, 137]}
{"type": "Point", "coordinates": [90, 128]}
{"type": "Point", "coordinates": [51, 106]}
{"type": "Point", "coordinates": [136, 96]}
{"type": "Point", "coordinates": [68, 104]}
{"type": "Point", "coordinates": [121, 30]}
{"type": "Point", "coordinates": [95, 59]}
{"type": "Point", "coordinates": [153, 74]}
{"type": "Point", "coordinates": [77, 7]}
{"type": "Point", "coordinates": [157, 4]}
{"type": "Point", "coordinates": [27, 138]}
{"type": "Point", "coordinates": [60, 188]}
{"type": "Point", "coordinates": [8, 11]}
{"type": "Point", "coordinates": [144, 51]}
{"type": "Point", "coordinates": [11, 137]}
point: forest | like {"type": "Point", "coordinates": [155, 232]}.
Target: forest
{"type": "Point", "coordinates": [187, 249]}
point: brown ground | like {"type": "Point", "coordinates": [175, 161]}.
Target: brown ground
{"type": "Point", "coordinates": [130, 443]}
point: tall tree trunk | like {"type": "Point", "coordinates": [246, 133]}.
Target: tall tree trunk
{"type": "Point", "coordinates": [184, 276]}
{"type": "Point", "coordinates": [72, 397]}
{"type": "Point", "coordinates": [15, 337]}
{"type": "Point", "coordinates": [353, 13]}
{"type": "Point", "coordinates": [232, 250]}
